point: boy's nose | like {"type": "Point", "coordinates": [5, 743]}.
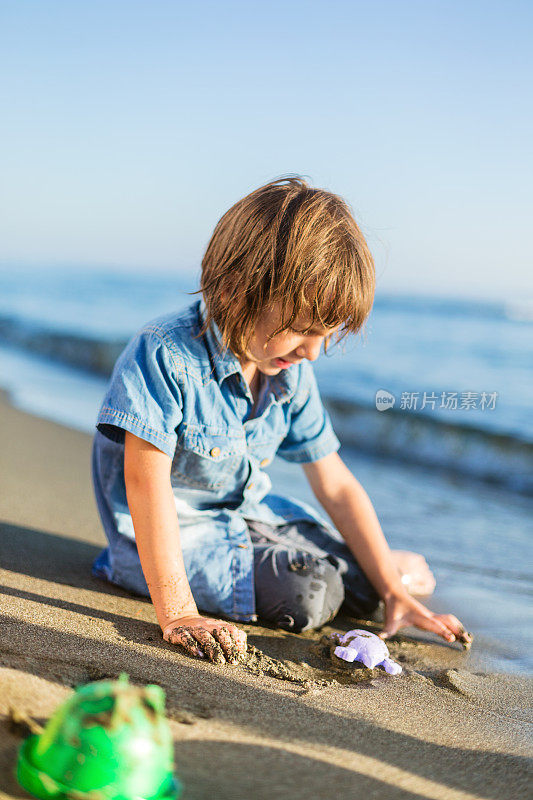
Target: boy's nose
{"type": "Point", "coordinates": [310, 350]}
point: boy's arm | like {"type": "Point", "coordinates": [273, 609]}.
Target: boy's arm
{"type": "Point", "coordinates": [155, 521]}
{"type": "Point", "coordinates": [353, 514]}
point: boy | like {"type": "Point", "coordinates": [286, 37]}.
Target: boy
{"type": "Point", "coordinates": [201, 400]}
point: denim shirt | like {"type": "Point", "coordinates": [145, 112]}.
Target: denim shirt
{"type": "Point", "coordinates": [189, 398]}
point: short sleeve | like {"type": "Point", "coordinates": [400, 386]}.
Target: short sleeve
{"type": "Point", "coordinates": [310, 435]}
{"type": "Point", "coordinates": [143, 396]}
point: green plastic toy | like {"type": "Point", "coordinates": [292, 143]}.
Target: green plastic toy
{"type": "Point", "coordinates": [109, 741]}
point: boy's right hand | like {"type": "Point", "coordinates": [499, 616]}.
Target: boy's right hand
{"type": "Point", "coordinates": [219, 641]}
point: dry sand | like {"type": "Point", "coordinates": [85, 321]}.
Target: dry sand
{"type": "Point", "coordinates": [288, 724]}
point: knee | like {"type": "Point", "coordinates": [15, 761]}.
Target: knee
{"type": "Point", "coordinates": [318, 596]}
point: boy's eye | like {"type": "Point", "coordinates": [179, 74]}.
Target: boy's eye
{"type": "Point", "coordinates": [299, 330]}
{"type": "Point", "coordinates": [308, 332]}
{"type": "Point", "coordinates": [327, 337]}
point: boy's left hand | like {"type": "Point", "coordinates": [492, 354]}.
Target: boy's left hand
{"type": "Point", "coordinates": [402, 610]}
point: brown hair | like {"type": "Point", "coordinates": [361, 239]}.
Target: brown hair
{"type": "Point", "coordinates": [291, 243]}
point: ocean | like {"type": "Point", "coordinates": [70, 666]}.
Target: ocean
{"type": "Point", "coordinates": [432, 404]}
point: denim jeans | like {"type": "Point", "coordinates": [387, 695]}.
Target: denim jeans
{"type": "Point", "coordinates": [303, 575]}
{"type": "Point", "coordinates": [299, 589]}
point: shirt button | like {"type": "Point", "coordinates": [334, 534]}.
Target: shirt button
{"type": "Point", "coordinates": [264, 462]}
{"type": "Point", "coordinates": [215, 451]}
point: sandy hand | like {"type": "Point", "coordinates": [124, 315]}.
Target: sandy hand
{"type": "Point", "coordinates": [404, 610]}
{"type": "Point", "coordinates": [204, 637]}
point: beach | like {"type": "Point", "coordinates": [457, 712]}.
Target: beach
{"type": "Point", "coordinates": [289, 723]}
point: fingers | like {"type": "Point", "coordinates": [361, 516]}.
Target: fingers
{"type": "Point", "coordinates": [217, 645]}
{"type": "Point", "coordinates": [210, 646]}
{"type": "Point", "coordinates": [424, 585]}
{"type": "Point", "coordinates": [240, 639]}
{"type": "Point", "coordinates": [415, 573]}
{"type": "Point", "coordinates": [432, 623]}
{"type": "Point", "coordinates": [182, 636]}
{"type": "Point", "coordinates": [457, 628]}
{"type": "Point", "coordinates": [452, 623]}
{"type": "Point", "coordinates": [445, 625]}
{"type": "Point", "coordinates": [227, 643]}
{"type": "Point", "coordinates": [233, 641]}
{"type": "Point", "coordinates": [389, 630]}
{"type": "Point", "coordinates": [427, 623]}
{"type": "Point", "coordinates": [399, 614]}
{"type": "Point", "coordinates": [393, 622]}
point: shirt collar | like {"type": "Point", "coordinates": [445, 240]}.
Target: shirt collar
{"type": "Point", "coordinates": [225, 362]}
{"type": "Point", "coordinates": [283, 385]}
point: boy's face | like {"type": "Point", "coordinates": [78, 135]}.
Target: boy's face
{"type": "Point", "coordinates": [286, 348]}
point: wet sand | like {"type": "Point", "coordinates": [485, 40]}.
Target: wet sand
{"type": "Point", "coordinates": [286, 723]}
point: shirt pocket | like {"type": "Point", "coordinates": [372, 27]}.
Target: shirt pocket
{"type": "Point", "coordinates": [207, 458]}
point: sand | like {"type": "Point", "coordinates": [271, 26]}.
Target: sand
{"type": "Point", "coordinates": [287, 723]}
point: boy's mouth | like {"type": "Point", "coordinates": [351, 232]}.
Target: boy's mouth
{"type": "Point", "coordinates": [281, 362]}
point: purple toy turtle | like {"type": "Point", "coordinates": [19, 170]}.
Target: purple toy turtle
{"type": "Point", "coordinates": [359, 645]}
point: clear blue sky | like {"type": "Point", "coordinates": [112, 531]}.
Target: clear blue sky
{"type": "Point", "coordinates": [130, 127]}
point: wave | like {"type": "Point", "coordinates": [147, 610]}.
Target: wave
{"type": "Point", "coordinates": [513, 310]}
{"type": "Point", "coordinates": [84, 351]}
{"type": "Point", "coordinates": [438, 305]}
{"type": "Point", "coordinates": [460, 449]}
{"type": "Point", "coordinates": [497, 458]}
{"type": "Point", "coordinates": [519, 311]}
{"type": "Point", "coordinates": [521, 581]}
